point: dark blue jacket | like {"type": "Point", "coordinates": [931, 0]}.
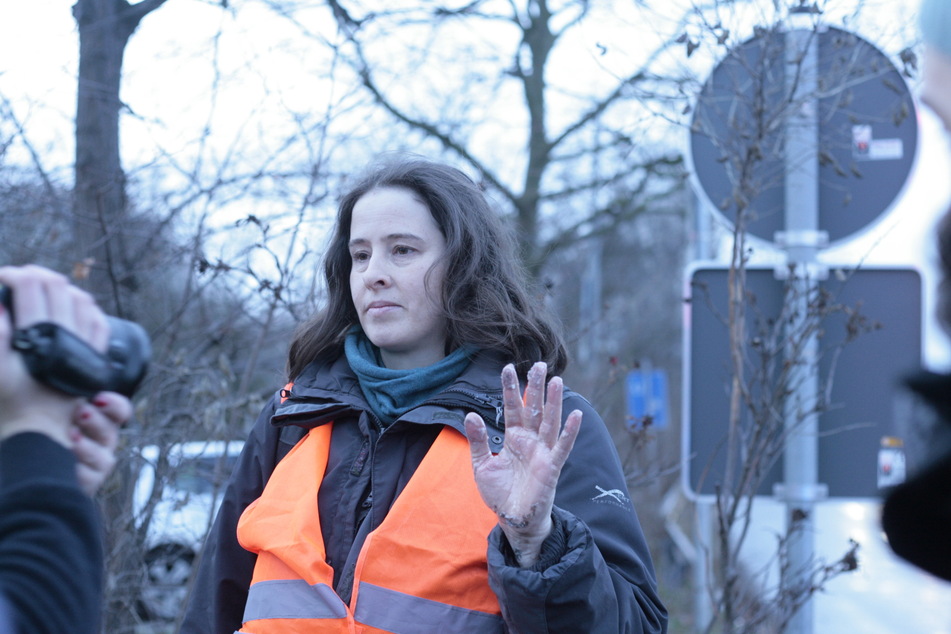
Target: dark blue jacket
{"type": "Point", "coordinates": [51, 566]}
{"type": "Point", "coordinates": [916, 515]}
{"type": "Point", "coordinates": [594, 574]}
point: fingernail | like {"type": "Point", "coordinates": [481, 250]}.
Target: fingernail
{"type": "Point", "coordinates": [100, 402]}
{"type": "Point", "coordinates": [85, 414]}
{"type": "Point", "coordinates": [75, 434]}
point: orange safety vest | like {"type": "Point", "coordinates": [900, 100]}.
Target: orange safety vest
{"type": "Point", "coordinates": [423, 569]}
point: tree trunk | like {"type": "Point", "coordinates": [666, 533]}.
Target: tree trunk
{"type": "Point", "coordinates": [100, 207]}
{"type": "Point", "coordinates": [101, 234]}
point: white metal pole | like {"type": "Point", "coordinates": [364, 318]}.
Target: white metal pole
{"type": "Point", "coordinates": [703, 530]}
{"type": "Point", "coordinates": [801, 240]}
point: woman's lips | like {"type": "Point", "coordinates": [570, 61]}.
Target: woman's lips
{"type": "Point", "coordinates": [380, 308]}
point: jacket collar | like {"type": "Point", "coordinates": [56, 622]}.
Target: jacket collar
{"type": "Point", "coordinates": [328, 391]}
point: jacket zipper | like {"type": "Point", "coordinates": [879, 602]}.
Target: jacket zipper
{"type": "Point", "coordinates": [481, 403]}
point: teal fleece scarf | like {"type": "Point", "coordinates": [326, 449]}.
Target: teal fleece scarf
{"type": "Point", "coordinates": [392, 393]}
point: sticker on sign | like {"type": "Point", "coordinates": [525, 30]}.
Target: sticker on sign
{"type": "Point", "coordinates": [867, 148]}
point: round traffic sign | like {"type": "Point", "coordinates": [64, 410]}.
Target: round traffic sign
{"type": "Point", "coordinates": [868, 133]}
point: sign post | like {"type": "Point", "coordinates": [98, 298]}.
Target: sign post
{"type": "Point", "coordinates": [801, 241]}
{"type": "Point", "coordinates": [801, 137]}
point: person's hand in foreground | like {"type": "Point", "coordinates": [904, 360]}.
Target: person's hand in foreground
{"type": "Point", "coordinates": [95, 435]}
{"type": "Point", "coordinates": [90, 429]}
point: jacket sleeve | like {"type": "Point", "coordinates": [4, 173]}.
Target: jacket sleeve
{"type": "Point", "coordinates": [220, 590]}
{"type": "Point", "coordinates": [50, 543]}
{"type": "Point", "coordinates": [595, 572]}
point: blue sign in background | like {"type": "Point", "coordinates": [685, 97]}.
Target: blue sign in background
{"type": "Point", "coordinates": [647, 396]}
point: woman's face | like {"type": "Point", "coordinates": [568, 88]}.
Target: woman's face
{"type": "Point", "coordinates": [394, 243]}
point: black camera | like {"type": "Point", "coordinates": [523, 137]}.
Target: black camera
{"type": "Point", "coordinates": [59, 359]}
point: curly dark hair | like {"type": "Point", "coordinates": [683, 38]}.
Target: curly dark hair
{"type": "Point", "coordinates": [485, 294]}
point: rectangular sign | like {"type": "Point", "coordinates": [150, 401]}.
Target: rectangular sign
{"type": "Point", "coordinates": [865, 373]}
{"type": "Point", "coordinates": [647, 399]}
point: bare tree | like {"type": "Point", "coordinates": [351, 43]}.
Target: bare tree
{"type": "Point", "coordinates": [218, 316]}
{"type": "Point", "coordinates": [486, 87]}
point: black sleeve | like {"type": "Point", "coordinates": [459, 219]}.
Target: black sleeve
{"type": "Point", "coordinates": [51, 566]}
{"type": "Point", "coordinates": [220, 590]}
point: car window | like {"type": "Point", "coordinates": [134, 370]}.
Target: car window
{"type": "Point", "coordinates": [202, 475]}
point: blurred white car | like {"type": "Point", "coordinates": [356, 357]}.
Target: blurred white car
{"type": "Point", "coordinates": [177, 494]}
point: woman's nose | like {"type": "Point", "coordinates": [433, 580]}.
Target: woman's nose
{"type": "Point", "coordinates": [375, 274]}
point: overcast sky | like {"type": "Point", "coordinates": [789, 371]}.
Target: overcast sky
{"type": "Point", "coordinates": [38, 49]}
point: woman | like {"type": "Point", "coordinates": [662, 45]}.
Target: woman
{"type": "Point", "coordinates": [426, 307]}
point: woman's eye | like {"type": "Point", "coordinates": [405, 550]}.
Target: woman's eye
{"type": "Point", "coordinates": [359, 256]}
{"type": "Point", "coordinates": [402, 250]}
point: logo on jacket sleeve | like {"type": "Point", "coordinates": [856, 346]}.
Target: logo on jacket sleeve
{"type": "Point", "coordinates": [610, 496]}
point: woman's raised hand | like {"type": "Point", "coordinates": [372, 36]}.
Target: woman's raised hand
{"type": "Point", "coordinates": [519, 483]}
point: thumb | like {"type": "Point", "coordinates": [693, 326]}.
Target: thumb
{"type": "Point", "coordinates": [478, 439]}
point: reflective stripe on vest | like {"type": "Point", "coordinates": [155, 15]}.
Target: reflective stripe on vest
{"type": "Point", "coordinates": [422, 570]}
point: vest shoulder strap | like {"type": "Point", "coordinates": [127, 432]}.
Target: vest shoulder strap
{"type": "Point", "coordinates": [289, 435]}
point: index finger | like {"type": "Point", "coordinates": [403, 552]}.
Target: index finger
{"type": "Point", "coordinates": [41, 295]}
{"type": "Point", "coordinates": [32, 288]}
{"type": "Point", "coordinates": [511, 396]}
